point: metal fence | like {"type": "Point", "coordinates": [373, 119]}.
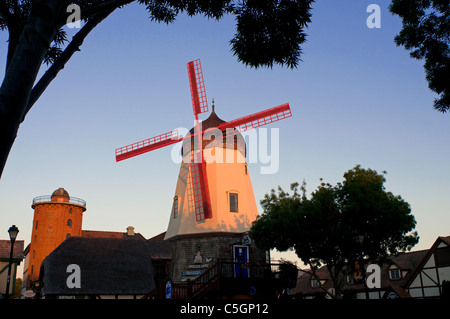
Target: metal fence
{"type": "Point", "coordinates": [48, 198]}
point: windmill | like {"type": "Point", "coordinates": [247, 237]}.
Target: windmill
{"type": "Point", "coordinates": [198, 170]}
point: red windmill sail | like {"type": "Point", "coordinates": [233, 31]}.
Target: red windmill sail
{"type": "Point", "coordinates": [199, 179]}
{"type": "Point", "coordinates": [198, 166]}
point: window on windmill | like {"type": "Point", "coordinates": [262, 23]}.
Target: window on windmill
{"type": "Point", "coordinates": [175, 207]}
{"type": "Point", "coordinates": [69, 223]}
{"type": "Point", "coordinates": [233, 202]}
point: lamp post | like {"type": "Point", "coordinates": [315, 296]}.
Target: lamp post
{"type": "Point", "coordinates": [13, 231]}
{"type": "Point", "coordinates": [360, 239]}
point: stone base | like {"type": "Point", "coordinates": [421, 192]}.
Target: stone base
{"type": "Point", "coordinates": [192, 255]}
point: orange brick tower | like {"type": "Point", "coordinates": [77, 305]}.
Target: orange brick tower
{"type": "Point", "coordinates": [56, 217]}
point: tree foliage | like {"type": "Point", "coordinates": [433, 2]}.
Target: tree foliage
{"type": "Point", "coordinates": [267, 31]}
{"type": "Point", "coordinates": [426, 33]}
{"type": "Point", "coordinates": [323, 229]}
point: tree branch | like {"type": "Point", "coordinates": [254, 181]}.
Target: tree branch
{"type": "Point", "coordinates": [65, 56]}
{"type": "Point", "coordinates": [4, 12]}
{"type": "Point", "coordinates": [13, 29]}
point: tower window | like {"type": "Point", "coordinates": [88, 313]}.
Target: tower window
{"type": "Point", "coordinates": [175, 207]}
{"type": "Point", "coordinates": [67, 236]}
{"type": "Point", "coordinates": [69, 223]}
{"type": "Point", "coordinates": [36, 225]}
{"type": "Point", "coordinates": [233, 202]}
{"type": "Point", "coordinates": [70, 210]}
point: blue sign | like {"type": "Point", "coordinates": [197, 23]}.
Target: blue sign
{"type": "Point", "coordinates": [169, 290]}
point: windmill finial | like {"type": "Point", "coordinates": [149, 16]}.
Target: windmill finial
{"type": "Point", "coordinates": [213, 106]}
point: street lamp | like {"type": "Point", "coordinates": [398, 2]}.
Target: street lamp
{"type": "Point", "coordinates": [359, 239]}
{"type": "Point", "coordinates": [13, 231]}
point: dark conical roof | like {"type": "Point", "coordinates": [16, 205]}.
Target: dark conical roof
{"type": "Point", "coordinates": [213, 121]}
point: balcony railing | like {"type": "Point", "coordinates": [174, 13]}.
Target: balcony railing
{"type": "Point", "coordinates": [48, 198]}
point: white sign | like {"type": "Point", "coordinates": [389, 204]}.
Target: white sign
{"type": "Point", "coordinates": [246, 240]}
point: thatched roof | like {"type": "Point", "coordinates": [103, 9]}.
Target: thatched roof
{"type": "Point", "coordinates": [107, 265]}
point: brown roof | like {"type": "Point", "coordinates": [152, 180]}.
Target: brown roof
{"type": "Point", "coordinates": [159, 248]}
{"type": "Point", "coordinates": [5, 249]}
{"type": "Point", "coordinates": [158, 237]}
{"type": "Point", "coordinates": [409, 260]}
{"type": "Point", "coordinates": [304, 282]}
{"type": "Point", "coordinates": [109, 234]}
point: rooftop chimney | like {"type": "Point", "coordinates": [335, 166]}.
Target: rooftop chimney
{"type": "Point", "coordinates": [130, 231]}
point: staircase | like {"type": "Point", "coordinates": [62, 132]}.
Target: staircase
{"type": "Point", "coordinates": [221, 277]}
{"type": "Point", "coordinates": [197, 288]}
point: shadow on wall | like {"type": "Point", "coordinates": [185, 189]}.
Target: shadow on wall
{"type": "Point", "coordinates": [241, 222]}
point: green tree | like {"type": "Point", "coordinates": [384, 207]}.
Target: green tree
{"type": "Point", "coordinates": [426, 33]}
{"type": "Point", "coordinates": [323, 229]}
{"type": "Point", "coordinates": [267, 32]}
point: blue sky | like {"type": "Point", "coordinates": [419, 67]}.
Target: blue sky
{"type": "Point", "coordinates": [356, 99]}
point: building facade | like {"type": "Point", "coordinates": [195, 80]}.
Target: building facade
{"type": "Point", "coordinates": [432, 277]}
{"type": "Point", "coordinates": [56, 218]}
{"type": "Point", "coordinates": [423, 274]}
{"type": "Point", "coordinates": [17, 257]}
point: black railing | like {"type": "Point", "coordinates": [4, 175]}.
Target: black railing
{"type": "Point", "coordinates": [211, 278]}
{"type": "Point", "coordinates": [252, 270]}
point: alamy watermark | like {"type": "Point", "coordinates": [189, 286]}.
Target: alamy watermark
{"type": "Point", "coordinates": [374, 19]}
{"type": "Point", "coordinates": [262, 146]}
{"type": "Point", "coordinates": [372, 275]}
{"type": "Point", "coordinates": [373, 279]}
{"type": "Point", "coordinates": [74, 18]}
{"type": "Point", "coordinates": [74, 279]}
